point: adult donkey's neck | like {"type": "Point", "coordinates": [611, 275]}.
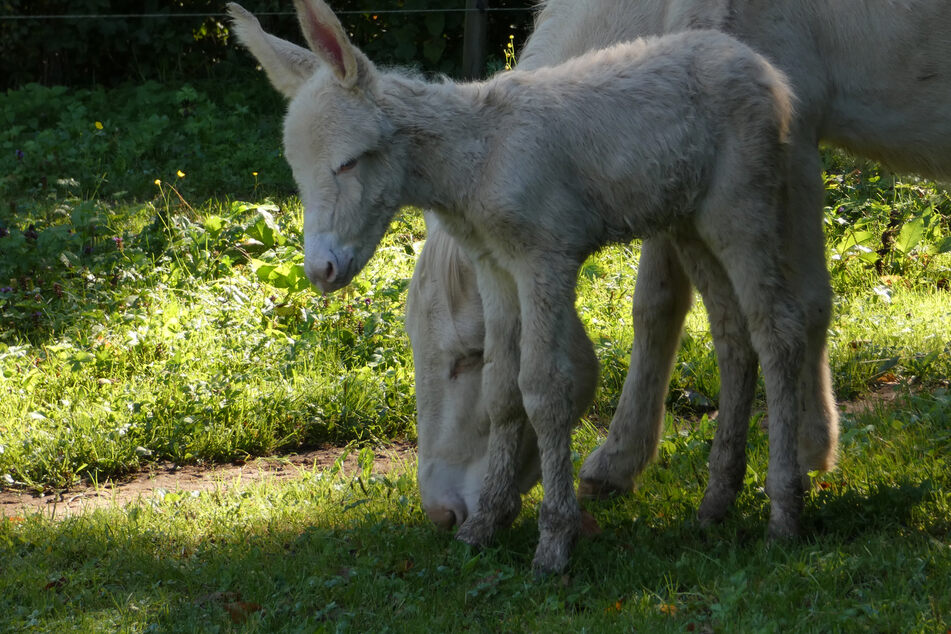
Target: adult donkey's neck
{"type": "Point", "coordinates": [448, 134]}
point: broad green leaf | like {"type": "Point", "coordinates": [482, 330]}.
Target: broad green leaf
{"type": "Point", "coordinates": [214, 224]}
{"type": "Point", "coordinates": [910, 235]}
{"type": "Point", "coordinates": [855, 238]}
{"type": "Point", "coordinates": [266, 230]}
{"type": "Point", "coordinates": [263, 270]}
{"type": "Point", "coordinates": [436, 24]}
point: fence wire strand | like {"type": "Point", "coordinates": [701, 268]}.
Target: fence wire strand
{"type": "Point", "coordinates": [127, 16]}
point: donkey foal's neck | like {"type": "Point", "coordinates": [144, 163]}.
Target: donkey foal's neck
{"type": "Point", "coordinates": [447, 135]}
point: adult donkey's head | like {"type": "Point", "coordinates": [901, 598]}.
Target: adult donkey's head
{"type": "Point", "coordinates": [337, 141]}
{"type": "Point", "coordinates": [345, 156]}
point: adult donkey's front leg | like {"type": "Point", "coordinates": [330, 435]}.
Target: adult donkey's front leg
{"type": "Point", "coordinates": [662, 297]}
{"type": "Point", "coordinates": [547, 378]}
{"type": "Point", "coordinates": [499, 498]}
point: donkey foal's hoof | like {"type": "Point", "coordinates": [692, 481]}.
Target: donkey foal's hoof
{"type": "Point", "coordinates": [783, 526]}
{"type": "Point", "coordinates": [714, 508]}
{"type": "Point", "coordinates": [552, 556]}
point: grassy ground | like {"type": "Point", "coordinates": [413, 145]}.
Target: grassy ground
{"type": "Point", "coordinates": [334, 553]}
{"type": "Point", "coordinates": [144, 320]}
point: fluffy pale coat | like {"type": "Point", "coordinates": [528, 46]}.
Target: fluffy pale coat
{"type": "Point", "coordinates": [680, 136]}
{"type": "Point", "coordinates": [868, 76]}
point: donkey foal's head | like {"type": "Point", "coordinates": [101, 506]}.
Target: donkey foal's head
{"type": "Point", "coordinates": [337, 140]}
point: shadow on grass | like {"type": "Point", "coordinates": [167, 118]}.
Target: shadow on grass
{"type": "Point", "coordinates": [318, 555]}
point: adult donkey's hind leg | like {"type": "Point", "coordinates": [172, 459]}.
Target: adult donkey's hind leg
{"type": "Point", "coordinates": [819, 428]}
{"type": "Point", "coordinates": [662, 296]}
{"type": "Point", "coordinates": [661, 299]}
{"type": "Point", "coordinates": [499, 499]}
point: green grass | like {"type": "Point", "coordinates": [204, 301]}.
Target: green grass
{"type": "Point", "coordinates": [171, 321]}
{"type": "Point", "coordinates": [333, 553]}
{"type": "Point", "coordinates": [195, 339]}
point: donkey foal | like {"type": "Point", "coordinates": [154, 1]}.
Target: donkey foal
{"type": "Point", "coordinates": [531, 172]}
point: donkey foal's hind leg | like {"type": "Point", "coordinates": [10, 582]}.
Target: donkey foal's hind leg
{"type": "Point", "coordinates": [738, 372]}
{"type": "Point", "coordinates": [748, 245]}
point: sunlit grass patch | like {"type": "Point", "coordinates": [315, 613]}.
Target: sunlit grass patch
{"type": "Point", "coordinates": [193, 337]}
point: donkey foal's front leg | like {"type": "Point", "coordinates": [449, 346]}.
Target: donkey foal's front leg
{"type": "Point", "coordinates": [499, 498]}
{"type": "Point", "coordinates": [546, 379]}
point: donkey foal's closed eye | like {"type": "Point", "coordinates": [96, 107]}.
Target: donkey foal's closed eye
{"type": "Point", "coordinates": [346, 167]}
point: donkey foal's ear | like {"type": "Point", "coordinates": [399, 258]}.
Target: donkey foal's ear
{"type": "Point", "coordinates": [327, 38]}
{"type": "Point", "coordinates": [287, 65]}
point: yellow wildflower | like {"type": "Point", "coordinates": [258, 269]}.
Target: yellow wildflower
{"type": "Point", "coordinates": [180, 174]}
{"type": "Point", "coordinates": [99, 125]}
{"type": "Point", "coordinates": [668, 608]}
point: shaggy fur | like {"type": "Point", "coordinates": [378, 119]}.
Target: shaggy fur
{"type": "Point", "coordinates": [681, 136]}
{"type": "Point", "coordinates": [868, 77]}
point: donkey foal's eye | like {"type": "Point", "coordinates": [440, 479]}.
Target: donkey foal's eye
{"type": "Point", "coordinates": [346, 167]}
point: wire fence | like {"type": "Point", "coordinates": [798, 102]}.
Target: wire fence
{"type": "Point", "coordinates": [404, 36]}
{"type": "Point", "coordinates": [127, 16]}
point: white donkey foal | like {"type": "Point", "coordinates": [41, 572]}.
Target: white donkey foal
{"type": "Point", "coordinates": [531, 173]}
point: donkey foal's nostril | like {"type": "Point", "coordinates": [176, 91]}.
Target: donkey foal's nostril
{"type": "Point", "coordinates": [329, 271]}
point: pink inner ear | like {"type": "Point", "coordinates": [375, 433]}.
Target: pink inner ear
{"type": "Point", "coordinates": [324, 37]}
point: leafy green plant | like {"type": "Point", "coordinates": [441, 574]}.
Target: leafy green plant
{"type": "Point", "coordinates": [893, 227]}
{"type": "Point", "coordinates": [113, 144]}
{"type": "Point", "coordinates": [189, 40]}
{"type": "Point", "coordinates": [174, 324]}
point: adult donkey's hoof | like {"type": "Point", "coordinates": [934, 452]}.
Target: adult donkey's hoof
{"type": "Point", "coordinates": [590, 489]}
{"type": "Point", "coordinates": [478, 530]}
{"type": "Point", "coordinates": [601, 479]}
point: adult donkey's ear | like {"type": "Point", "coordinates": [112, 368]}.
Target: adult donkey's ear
{"type": "Point", "coordinates": [327, 39]}
{"type": "Point", "coordinates": [287, 65]}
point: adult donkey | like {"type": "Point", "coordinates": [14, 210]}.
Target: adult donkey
{"type": "Point", "coordinates": [869, 76]}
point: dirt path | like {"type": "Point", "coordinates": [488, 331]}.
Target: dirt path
{"type": "Point", "coordinates": [398, 456]}
{"type": "Point", "coordinates": [395, 457]}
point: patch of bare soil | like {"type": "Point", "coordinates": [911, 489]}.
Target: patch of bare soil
{"type": "Point", "coordinates": [884, 395]}
{"type": "Point", "coordinates": [396, 457]}
{"type": "Point", "coordinates": [393, 458]}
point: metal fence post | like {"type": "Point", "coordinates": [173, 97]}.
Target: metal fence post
{"type": "Point", "coordinates": [474, 42]}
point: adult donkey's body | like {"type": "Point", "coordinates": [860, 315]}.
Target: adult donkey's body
{"type": "Point", "coordinates": [871, 77]}
{"type": "Point", "coordinates": [682, 135]}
